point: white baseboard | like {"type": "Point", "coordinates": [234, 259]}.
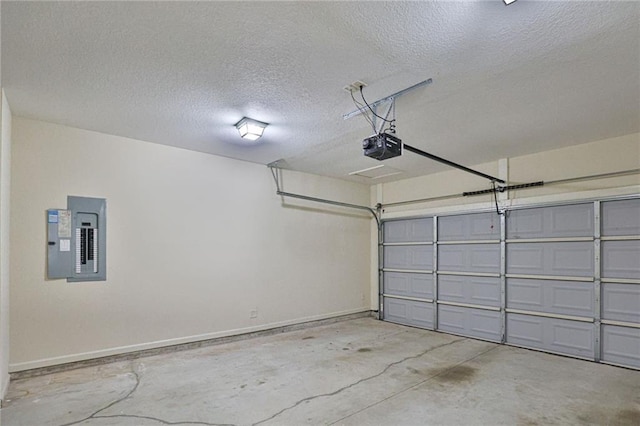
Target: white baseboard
{"type": "Point", "coordinates": [65, 359]}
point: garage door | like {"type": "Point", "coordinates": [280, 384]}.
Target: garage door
{"type": "Point", "coordinates": [407, 275]}
{"type": "Point", "coordinates": [550, 291]}
{"type": "Point", "coordinates": [620, 249]}
{"type": "Point", "coordinates": [563, 279]}
{"type": "Point", "coordinates": [468, 275]}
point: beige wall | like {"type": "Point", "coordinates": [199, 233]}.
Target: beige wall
{"type": "Point", "coordinates": [605, 156]}
{"type": "Point", "coordinates": [5, 191]}
{"type": "Point", "coordinates": [195, 242]}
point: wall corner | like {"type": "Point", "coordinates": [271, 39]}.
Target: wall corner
{"type": "Point", "coordinates": [5, 195]}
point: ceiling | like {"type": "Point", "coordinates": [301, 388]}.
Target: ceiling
{"type": "Point", "coordinates": [507, 80]}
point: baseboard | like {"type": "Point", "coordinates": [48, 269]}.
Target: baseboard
{"type": "Point", "coordinates": [87, 359]}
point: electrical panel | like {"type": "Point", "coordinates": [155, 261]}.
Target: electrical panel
{"type": "Point", "coordinates": [76, 247]}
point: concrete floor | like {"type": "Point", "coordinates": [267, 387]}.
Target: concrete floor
{"type": "Point", "coordinates": [356, 372]}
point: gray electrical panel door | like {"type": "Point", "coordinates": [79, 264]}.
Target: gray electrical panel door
{"type": "Point", "coordinates": [468, 275]}
{"type": "Point", "coordinates": [620, 252]}
{"type": "Point", "coordinates": [59, 254]}
{"type": "Point", "coordinates": [89, 244]}
{"type": "Point", "coordinates": [550, 267]}
{"type": "Point", "coordinates": [76, 240]}
{"type": "Point", "coordinates": [407, 277]}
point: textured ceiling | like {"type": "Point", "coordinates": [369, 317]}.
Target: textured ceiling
{"type": "Point", "coordinates": [507, 81]}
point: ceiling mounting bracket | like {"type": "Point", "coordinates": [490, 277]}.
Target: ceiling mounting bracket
{"type": "Point", "coordinates": [390, 98]}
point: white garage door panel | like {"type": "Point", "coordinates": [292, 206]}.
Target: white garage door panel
{"type": "Point", "coordinates": [483, 258]}
{"type": "Point", "coordinates": [483, 291]}
{"type": "Point", "coordinates": [408, 284]}
{"type": "Point", "coordinates": [555, 259]}
{"type": "Point", "coordinates": [480, 226]}
{"type": "Point", "coordinates": [551, 222]}
{"type": "Point", "coordinates": [410, 231]}
{"type": "Point", "coordinates": [621, 217]}
{"type": "Point", "coordinates": [409, 257]}
{"type": "Point", "coordinates": [557, 297]}
{"type": "Point", "coordinates": [566, 278]}
{"type": "Point", "coordinates": [621, 259]}
{"type": "Point", "coordinates": [551, 334]}
{"type": "Point", "coordinates": [470, 322]}
{"type": "Point", "coordinates": [409, 312]}
{"type": "Point", "coordinates": [621, 302]}
{"type": "Point", "coordinates": [621, 345]}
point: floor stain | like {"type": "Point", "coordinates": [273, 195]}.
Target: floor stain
{"type": "Point", "coordinates": [525, 421]}
{"type": "Point", "coordinates": [456, 374]}
{"type": "Point", "coordinates": [365, 350]}
{"type": "Point", "coordinates": [345, 349]}
{"type": "Point", "coordinates": [611, 416]}
{"type": "Point", "coordinates": [592, 416]}
{"type": "Point", "coordinates": [628, 417]}
{"type": "Point", "coordinates": [413, 370]}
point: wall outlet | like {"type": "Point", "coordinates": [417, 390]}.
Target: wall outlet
{"type": "Point", "coordinates": [253, 313]}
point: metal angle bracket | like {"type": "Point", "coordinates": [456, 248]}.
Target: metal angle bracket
{"type": "Point", "coordinates": [275, 172]}
{"type": "Point", "coordinates": [277, 179]}
{"type": "Point", "coordinates": [386, 99]}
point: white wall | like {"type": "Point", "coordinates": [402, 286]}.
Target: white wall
{"type": "Point", "coordinates": [5, 191]}
{"type": "Point", "coordinates": [195, 242]}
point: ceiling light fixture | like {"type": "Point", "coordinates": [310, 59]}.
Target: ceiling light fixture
{"type": "Point", "coordinates": [508, 2]}
{"type": "Point", "coordinates": [250, 129]}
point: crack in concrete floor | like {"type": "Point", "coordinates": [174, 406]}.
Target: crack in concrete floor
{"type": "Point", "coordinates": [138, 377]}
{"type": "Point", "coordinates": [96, 414]}
{"type": "Point", "coordinates": [111, 404]}
{"type": "Point", "coordinates": [309, 398]}
{"type": "Point", "coordinates": [435, 376]}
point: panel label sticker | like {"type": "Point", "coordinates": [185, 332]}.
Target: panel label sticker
{"type": "Point", "coordinates": [65, 245]}
{"type": "Point", "coordinates": [64, 223]}
{"type": "Point", "coordinates": [53, 216]}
